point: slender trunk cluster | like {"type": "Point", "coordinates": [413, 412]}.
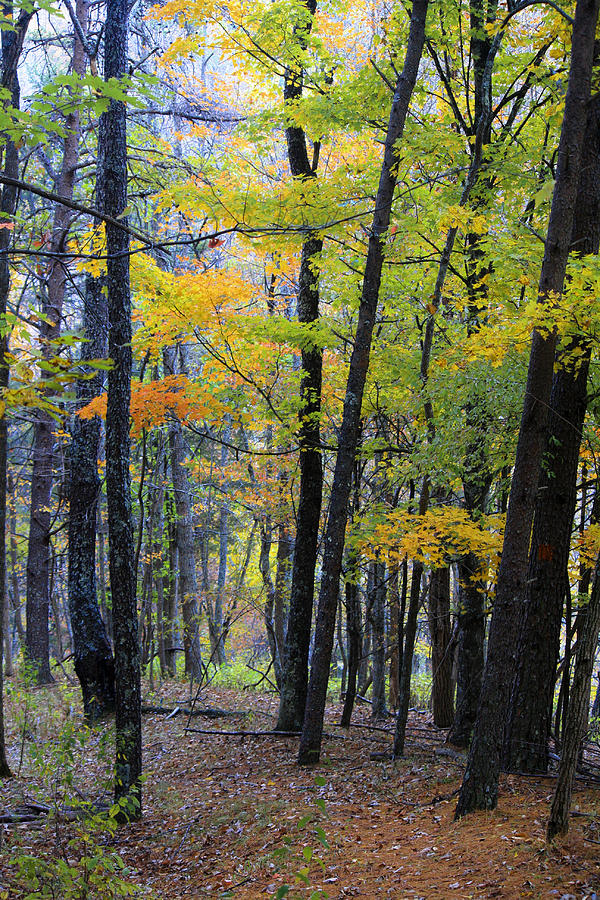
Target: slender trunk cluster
{"type": "Point", "coordinates": [310, 742]}
{"type": "Point", "coordinates": [480, 784]}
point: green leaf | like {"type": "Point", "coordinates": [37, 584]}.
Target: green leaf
{"type": "Point", "coordinates": [320, 781]}
{"type": "Point", "coordinates": [322, 837]}
{"type": "Point", "coordinates": [307, 854]}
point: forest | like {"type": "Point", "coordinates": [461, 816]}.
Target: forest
{"type": "Point", "coordinates": [299, 449]}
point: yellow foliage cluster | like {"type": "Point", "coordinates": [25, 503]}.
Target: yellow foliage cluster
{"type": "Point", "coordinates": [442, 534]}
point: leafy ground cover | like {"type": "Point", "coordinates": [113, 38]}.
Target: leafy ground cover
{"type": "Point", "coordinates": [232, 815]}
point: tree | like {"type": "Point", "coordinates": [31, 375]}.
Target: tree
{"type": "Point", "coordinates": [128, 734]}
{"type": "Point", "coordinates": [530, 715]}
{"type": "Point", "coordinates": [12, 45]}
{"type": "Point", "coordinates": [480, 784]}
{"type": "Point", "coordinates": [294, 677]}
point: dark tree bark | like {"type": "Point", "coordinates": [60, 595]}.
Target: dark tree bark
{"type": "Point", "coordinates": [297, 641]}
{"type": "Point", "coordinates": [530, 716]}
{"type": "Point", "coordinates": [94, 663]}
{"type": "Point", "coordinates": [310, 742]}
{"type": "Point", "coordinates": [12, 44]}
{"type": "Point", "coordinates": [440, 631]}
{"type": "Point", "coordinates": [128, 735]}
{"type": "Point", "coordinates": [480, 784]}
{"type": "Point", "coordinates": [471, 635]}
{"type": "Point", "coordinates": [588, 626]}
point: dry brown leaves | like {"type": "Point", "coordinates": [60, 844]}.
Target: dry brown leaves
{"type": "Point", "coordinates": [223, 814]}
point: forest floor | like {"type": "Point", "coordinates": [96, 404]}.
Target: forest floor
{"type": "Point", "coordinates": [226, 815]}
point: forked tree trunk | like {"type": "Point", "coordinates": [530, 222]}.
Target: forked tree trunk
{"type": "Point", "coordinates": [310, 742]}
{"type": "Point", "coordinates": [530, 716]}
{"type": "Point", "coordinates": [480, 784]}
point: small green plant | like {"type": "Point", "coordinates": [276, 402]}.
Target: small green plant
{"type": "Point", "coordinates": [308, 855]}
{"type": "Point", "coordinates": [72, 860]}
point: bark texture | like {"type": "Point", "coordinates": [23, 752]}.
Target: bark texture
{"type": "Point", "coordinates": [128, 736]}
{"type": "Point", "coordinates": [441, 658]}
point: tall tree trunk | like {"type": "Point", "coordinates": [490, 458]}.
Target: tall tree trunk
{"type": "Point", "coordinates": [12, 44]}
{"type": "Point", "coordinates": [297, 641]}
{"type": "Point", "coordinates": [185, 541]}
{"type": "Point", "coordinates": [441, 659]}
{"type": "Point", "coordinates": [310, 742]}
{"type": "Point", "coordinates": [94, 663]}
{"type": "Point", "coordinates": [14, 563]}
{"type": "Point", "coordinates": [53, 293]}
{"type": "Point", "coordinates": [128, 731]}
{"type": "Point", "coordinates": [530, 715]}
{"type": "Point", "coordinates": [480, 784]}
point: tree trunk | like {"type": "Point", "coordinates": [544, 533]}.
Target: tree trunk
{"type": "Point", "coordinates": [480, 784]}
{"type": "Point", "coordinates": [53, 293]}
{"type": "Point", "coordinates": [264, 565]}
{"type": "Point", "coordinates": [128, 731]}
{"type": "Point", "coordinates": [219, 650]}
{"type": "Point", "coordinates": [530, 716]}
{"type": "Point", "coordinates": [588, 626]}
{"type": "Point", "coordinates": [379, 710]}
{"type": "Point", "coordinates": [440, 631]}
{"type": "Point", "coordinates": [471, 635]}
{"type": "Point", "coordinates": [93, 659]}
{"type": "Point", "coordinates": [410, 633]}
{"type": "Point", "coordinates": [12, 44]}
{"type": "Point", "coordinates": [171, 635]}
{"type": "Point", "coordinates": [188, 587]}
{"type": "Point", "coordinates": [395, 633]}
{"type": "Point", "coordinates": [297, 641]}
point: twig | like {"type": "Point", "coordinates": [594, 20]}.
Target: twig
{"type": "Point", "coordinates": [171, 712]}
{"type": "Point", "coordinates": [280, 734]}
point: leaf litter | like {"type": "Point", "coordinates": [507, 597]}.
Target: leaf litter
{"type": "Point", "coordinates": [236, 817]}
